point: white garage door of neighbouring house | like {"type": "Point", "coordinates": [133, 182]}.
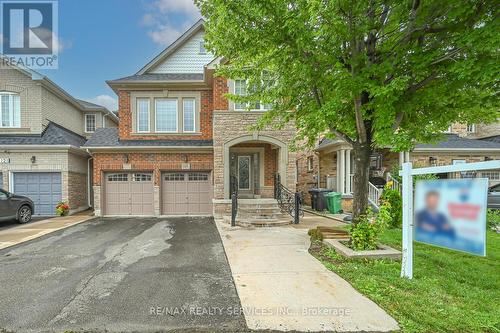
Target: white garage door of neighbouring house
{"type": "Point", "coordinates": [128, 194]}
{"type": "Point", "coordinates": [44, 188]}
{"type": "Point", "coordinates": [186, 193]}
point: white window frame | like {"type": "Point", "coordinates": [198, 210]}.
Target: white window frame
{"type": "Point", "coordinates": [471, 128]}
{"type": "Point", "coordinates": [261, 104]}
{"type": "Point", "coordinates": [176, 114]}
{"type": "Point", "coordinates": [202, 49]}
{"type": "Point", "coordinates": [87, 115]}
{"type": "Point", "coordinates": [194, 115]}
{"type": "Point", "coordinates": [14, 113]}
{"type": "Point", "coordinates": [139, 115]}
{"type": "Point", "coordinates": [310, 164]}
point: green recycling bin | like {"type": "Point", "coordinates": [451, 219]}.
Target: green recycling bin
{"type": "Point", "coordinates": [334, 202]}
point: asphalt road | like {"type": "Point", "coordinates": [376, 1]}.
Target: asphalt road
{"type": "Point", "coordinates": [120, 275]}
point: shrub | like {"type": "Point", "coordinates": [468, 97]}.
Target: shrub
{"type": "Point", "coordinates": [493, 218]}
{"type": "Point", "coordinates": [392, 198]}
{"type": "Point", "coordinates": [62, 209]}
{"type": "Point", "coordinates": [366, 231]}
{"type": "Point", "coordinates": [316, 235]}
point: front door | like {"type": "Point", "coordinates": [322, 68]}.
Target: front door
{"type": "Point", "coordinates": [245, 187]}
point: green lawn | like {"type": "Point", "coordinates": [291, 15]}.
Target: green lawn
{"type": "Point", "coordinates": [450, 291]}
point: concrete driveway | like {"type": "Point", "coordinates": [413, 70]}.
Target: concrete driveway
{"type": "Point", "coordinates": [124, 274]}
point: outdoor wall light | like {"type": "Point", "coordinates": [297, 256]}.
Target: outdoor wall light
{"type": "Point", "coordinates": [184, 158]}
{"type": "Point", "coordinates": [432, 161]}
{"type": "Point", "coordinates": [33, 159]}
{"type": "Point", "coordinates": [125, 158]}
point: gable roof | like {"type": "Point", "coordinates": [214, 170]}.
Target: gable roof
{"type": "Point", "coordinates": [53, 134]}
{"type": "Point", "coordinates": [173, 47]}
{"type": "Point", "coordinates": [63, 94]}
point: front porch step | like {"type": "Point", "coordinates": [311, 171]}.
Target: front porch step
{"type": "Point", "coordinates": [256, 222]}
{"type": "Point", "coordinates": [259, 213]}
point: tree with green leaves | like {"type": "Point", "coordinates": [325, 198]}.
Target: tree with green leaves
{"type": "Point", "coordinates": [374, 73]}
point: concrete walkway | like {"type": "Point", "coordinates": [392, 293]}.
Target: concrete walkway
{"type": "Point", "coordinates": [25, 232]}
{"type": "Point", "coordinates": [282, 287]}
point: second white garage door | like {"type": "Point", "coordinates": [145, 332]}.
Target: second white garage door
{"type": "Point", "coordinates": [186, 193]}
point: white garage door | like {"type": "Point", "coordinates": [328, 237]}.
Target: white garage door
{"type": "Point", "coordinates": [186, 193]}
{"type": "Point", "coordinates": [44, 188]}
{"type": "Point", "coordinates": [128, 194]}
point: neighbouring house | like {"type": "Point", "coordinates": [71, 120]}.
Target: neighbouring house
{"type": "Point", "coordinates": [182, 147]}
{"type": "Point", "coordinates": [331, 165]}
{"type": "Point", "coordinates": [42, 131]}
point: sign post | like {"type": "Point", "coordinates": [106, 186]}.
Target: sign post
{"type": "Point", "coordinates": [407, 260]}
{"type": "Point", "coordinates": [407, 174]}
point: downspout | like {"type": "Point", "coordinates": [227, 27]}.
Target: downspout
{"type": "Point", "coordinates": [104, 120]}
{"type": "Point", "coordinates": [89, 185]}
{"type": "Point", "coordinates": [319, 168]}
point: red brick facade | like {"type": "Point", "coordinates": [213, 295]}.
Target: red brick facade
{"type": "Point", "coordinates": [206, 111]}
{"type": "Point", "coordinates": [219, 91]}
{"type": "Point", "coordinates": [155, 162]}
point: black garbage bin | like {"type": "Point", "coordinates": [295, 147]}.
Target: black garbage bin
{"type": "Point", "coordinates": [318, 199]}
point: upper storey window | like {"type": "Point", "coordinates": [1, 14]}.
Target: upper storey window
{"type": "Point", "coordinates": [202, 47]}
{"type": "Point", "coordinates": [471, 128]}
{"type": "Point", "coordinates": [10, 110]}
{"type": "Point", "coordinates": [90, 123]}
{"type": "Point", "coordinates": [189, 114]}
{"type": "Point", "coordinates": [166, 115]}
{"type": "Point", "coordinates": [241, 88]}
{"type": "Point", "coordinates": [142, 115]}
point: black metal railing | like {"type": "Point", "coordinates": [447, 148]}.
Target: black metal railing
{"type": "Point", "coordinates": [288, 201]}
{"type": "Point", "coordinates": [234, 199]}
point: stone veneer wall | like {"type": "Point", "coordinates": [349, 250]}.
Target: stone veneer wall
{"type": "Point", "coordinates": [233, 125]}
{"type": "Point", "coordinates": [421, 159]}
{"type": "Point", "coordinates": [77, 190]}
{"type": "Point", "coordinates": [306, 178]}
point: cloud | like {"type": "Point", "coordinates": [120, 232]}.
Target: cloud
{"type": "Point", "coordinates": [183, 6]}
{"type": "Point", "coordinates": [158, 17]}
{"type": "Point", "coordinates": [60, 45]}
{"type": "Point", "coordinates": [105, 100]}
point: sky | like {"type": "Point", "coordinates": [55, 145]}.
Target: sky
{"type": "Point", "coordinates": [103, 40]}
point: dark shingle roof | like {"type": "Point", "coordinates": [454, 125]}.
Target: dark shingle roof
{"type": "Point", "coordinates": [170, 77]}
{"type": "Point", "coordinates": [450, 141]}
{"type": "Point", "coordinates": [453, 141]}
{"type": "Point", "coordinates": [89, 105]}
{"type": "Point", "coordinates": [108, 137]}
{"type": "Point", "coordinates": [326, 142]}
{"type": "Point", "coordinates": [52, 135]}
{"type": "Point", "coordinates": [495, 138]}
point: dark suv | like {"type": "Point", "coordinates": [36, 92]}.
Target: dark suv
{"type": "Point", "coordinates": [15, 207]}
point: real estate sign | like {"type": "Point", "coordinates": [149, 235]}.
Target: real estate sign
{"type": "Point", "coordinates": [451, 213]}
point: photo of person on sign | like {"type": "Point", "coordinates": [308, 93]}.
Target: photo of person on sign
{"type": "Point", "coordinates": [431, 221]}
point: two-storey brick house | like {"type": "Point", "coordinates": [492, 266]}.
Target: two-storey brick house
{"type": "Point", "coordinates": [181, 142]}
{"type": "Point", "coordinates": [42, 131]}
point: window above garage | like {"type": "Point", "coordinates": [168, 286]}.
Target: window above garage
{"type": "Point", "coordinates": [163, 113]}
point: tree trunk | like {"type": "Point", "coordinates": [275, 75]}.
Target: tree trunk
{"type": "Point", "coordinates": [362, 154]}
